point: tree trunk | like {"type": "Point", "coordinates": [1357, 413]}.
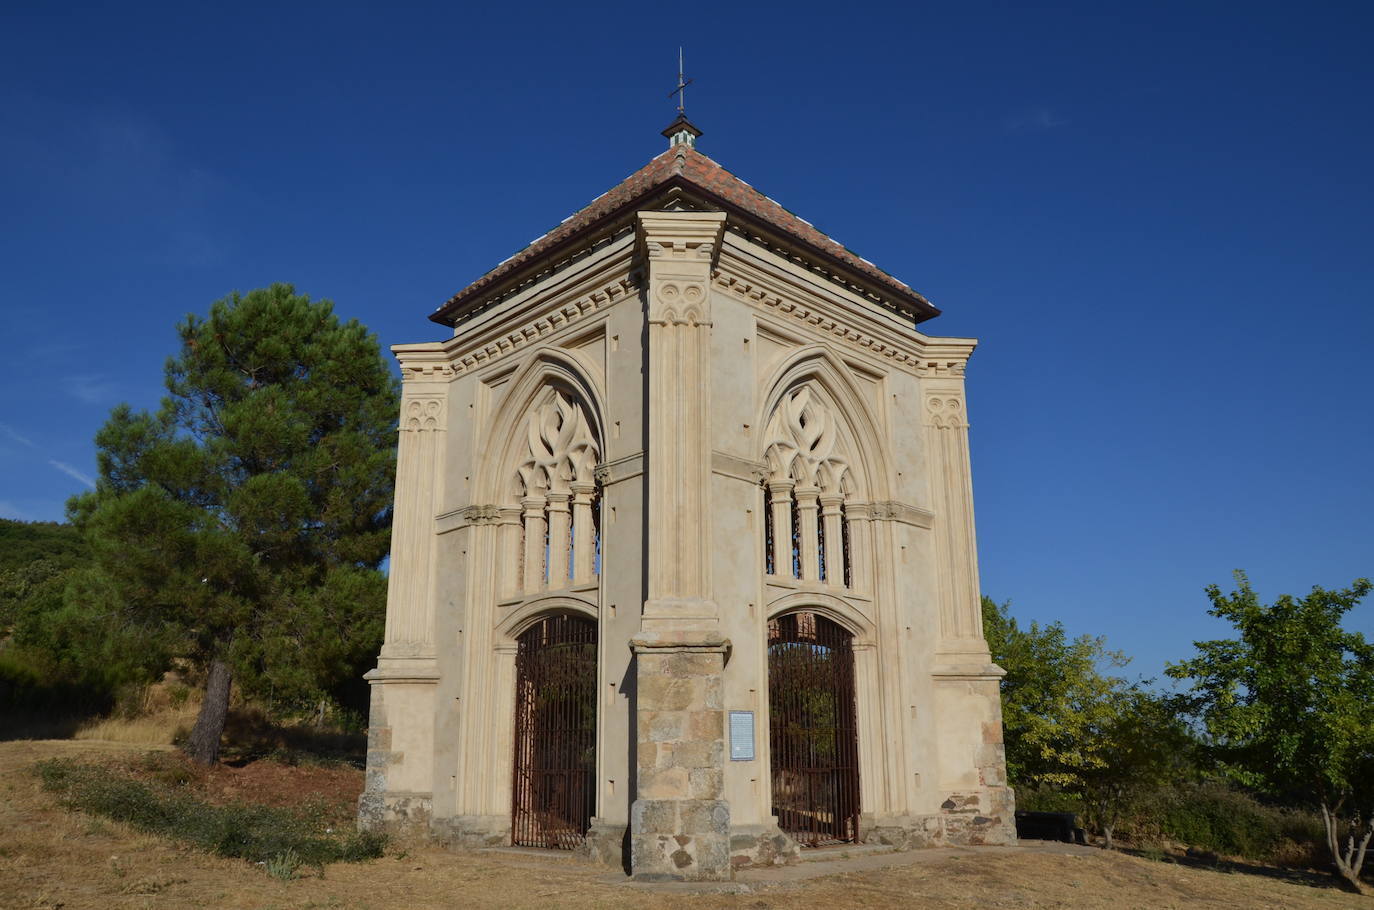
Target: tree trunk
{"type": "Point", "coordinates": [1350, 861]}
{"type": "Point", "coordinates": [1106, 837]}
{"type": "Point", "coordinates": [203, 746]}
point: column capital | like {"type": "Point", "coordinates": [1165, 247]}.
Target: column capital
{"type": "Point", "coordinates": [680, 236]}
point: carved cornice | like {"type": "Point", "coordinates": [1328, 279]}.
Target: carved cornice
{"type": "Point", "coordinates": [421, 364]}
{"type": "Point", "coordinates": [788, 296]}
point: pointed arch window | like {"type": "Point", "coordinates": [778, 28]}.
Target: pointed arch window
{"type": "Point", "coordinates": [809, 484]}
{"type": "Point", "coordinates": [551, 533]}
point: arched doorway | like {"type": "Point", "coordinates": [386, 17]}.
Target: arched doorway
{"type": "Point", "coordinates": [553, 792]}
{"type": "Point", "coordinates": [812, 729]}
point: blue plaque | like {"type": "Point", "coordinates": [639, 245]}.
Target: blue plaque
{"type": "Point", "coordinates": [741, 735]}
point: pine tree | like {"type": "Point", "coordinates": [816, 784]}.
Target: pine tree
{"type": "Point", "coordinates": [247, 518]}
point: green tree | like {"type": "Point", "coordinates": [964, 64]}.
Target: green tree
{"type": "Point", "coordinates": [1055, 697]}
{"type": "Point", "coordinates": [1289, 704]}
{"type": "Point", "coordinates": [245, 521]}
{"type": "Point", "coordinates": [62, 652]}
{"type": "Point", "coordinates": [1135, 747]}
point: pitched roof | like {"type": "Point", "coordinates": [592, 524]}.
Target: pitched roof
{"type": "Point", "coordinates": [684, 166]}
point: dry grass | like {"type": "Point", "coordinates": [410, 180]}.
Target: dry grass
{"type": "Point", "coordinates": [166, 711]}
{"type": "Point", "coordinates": [52, 858]}
{"type": "Point", "coordinates": [158, 729]}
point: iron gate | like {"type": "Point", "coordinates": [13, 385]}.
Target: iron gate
{"type": "Point", "coordinates": [553, 788]}
{"type": "Point", "coordinates": [812, 730]}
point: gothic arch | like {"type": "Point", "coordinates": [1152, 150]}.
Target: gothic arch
{"type": "Point", "coordinates": [817, 366]}
{"type": "Point", "coordinates": [539, 471]}
{"type": "Point", "coordinates": [547, 369]}
{"type": "Point", "coordinates": [824, 464]}
{"type": "Point", "coordinates": [527, 614]}
{"type": "Point", "coordinates": [836, 609]}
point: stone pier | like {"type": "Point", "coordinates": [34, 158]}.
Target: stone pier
{"type": "Point", "coordinates": [680, 822]}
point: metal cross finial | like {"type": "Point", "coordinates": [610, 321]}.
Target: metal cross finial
{"type": "Point", "coordinates": [681, 90]}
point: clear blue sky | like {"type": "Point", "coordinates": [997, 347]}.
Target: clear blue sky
{"type": "Point", "coordinates": [1157, 218]}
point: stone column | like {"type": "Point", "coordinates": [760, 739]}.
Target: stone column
{"type": "Point", "coordinates": [510, 555]}
{"type": "Point", "coordinates": [859, 516]}
{"type": "Point", "coordinates": [831, 522]}
{"type": "Point", "coordinates": [584, 537]}
{"type": "Point", "coordinates": [679, 823]}
{"type": "Point", "coordinates": [560, 526]}
{"type": "Point", "coordinates": [780, 501]}
{"type": "Point", "coordinates": [535, 543]}
{"type": "Point", "coordinates": [808, 540]}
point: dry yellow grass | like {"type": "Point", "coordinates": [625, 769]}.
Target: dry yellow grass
{"type": "Point", "coordinates": [165, 709]}
{"type": "Point", "coordinates": [52, 858]}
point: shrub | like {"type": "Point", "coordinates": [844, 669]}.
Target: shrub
{"type": "Point", "coordinates": [284, 866]}
{"type": "Point", "coordinates": [1048, 799]}
{"type": "Point", "coordinates": [257, 833]}
{"type": "Point", "coordinates": [1215, 817]}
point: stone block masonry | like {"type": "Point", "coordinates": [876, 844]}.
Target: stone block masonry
{"type": "Point", "coordinates": [680, 822]}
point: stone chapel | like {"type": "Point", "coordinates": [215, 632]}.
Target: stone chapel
{"type": "Point", "coordinates": [684, 573]}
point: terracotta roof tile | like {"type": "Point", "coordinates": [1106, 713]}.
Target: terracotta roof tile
{"type": "Point", "coordinates": [689, 166]}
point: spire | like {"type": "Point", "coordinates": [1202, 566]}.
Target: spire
{"type": "Point", "coordinates": [681, 131]}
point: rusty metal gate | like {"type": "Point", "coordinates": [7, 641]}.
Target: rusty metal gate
{"type": "Point", "coordinates": [553, 789]}
{"type": "Point", "coordinates": [812, 730]}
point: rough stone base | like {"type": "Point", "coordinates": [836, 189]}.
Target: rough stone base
{"type": "Point", "coordinates": [682, 840]}
{"type": "Point", "coordinates": [471, 831]}
{"type": "Point", "coordinates": [757, 846]}
{"type": "Point", "coordinates": [978, 817]}
{"type": "Point", "coordinates": [404, 815]}
{"type": "Point", "coordinates": [968, 819]}
{"type": "Point", "coordinates": [908, 832]}
{"type": "Point", "coordinates": [607, 845]}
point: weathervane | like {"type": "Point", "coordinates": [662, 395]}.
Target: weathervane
{"type": "Point", "coordinates": [681, 90]}
{"type": "Point", "coordinates": [681, 131]}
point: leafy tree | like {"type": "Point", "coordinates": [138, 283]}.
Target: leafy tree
{"type": "Point", "coordinates": [1136, 748]}
{"type": "Point", "coordinates": [1054, 697]}
{"type": "Point", "coordinates": [25, 542]}
{"type": "Point", "coordinates": [1070, 726]}
{"type": "Point", "coordinates": [244, 522]}
{"type": "Point", "coordinates": [1290, 705]}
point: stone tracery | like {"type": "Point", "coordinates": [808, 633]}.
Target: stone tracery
{"type": "Point", "coordinates": [810, 481]}
{"type": "Point", "coordinates": [550, 534]}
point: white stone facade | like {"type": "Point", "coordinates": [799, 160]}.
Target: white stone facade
{"type": "Point", "coordinates": [680, 428]}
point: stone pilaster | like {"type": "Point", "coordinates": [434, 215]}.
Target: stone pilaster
{"type": "Point", "coordinates": [680, 820]}
{"type": "Point", "coordinates": [419, 494]}
{"type": "Point", "coordinates": [680, 824]}
{"type": "Point", "coordinates": [679, 250]}
{"type": "Point", "coordinates": [961, 627]}
{"type": "Point", "coordinates": [979, 807]}
{"type": "Point", "coordinates": [398, 791]}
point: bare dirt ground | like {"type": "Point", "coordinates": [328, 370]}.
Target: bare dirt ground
{"type": "Point", "coordinates": [52, 858]}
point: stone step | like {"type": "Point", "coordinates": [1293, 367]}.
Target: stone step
{"type": "Point", "coordinates": [841, 852]}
